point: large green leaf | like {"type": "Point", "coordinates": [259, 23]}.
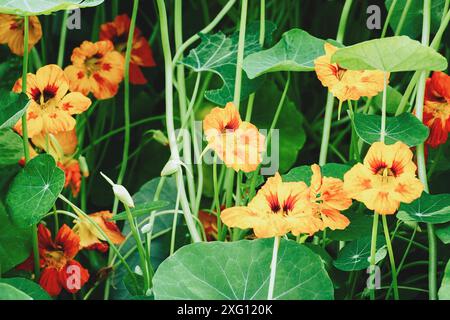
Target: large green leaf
{"type": "Point", "coordinates": [360, 225]}
{"type": "Point", "coordinates": [11, 147]}
{"type": "Point", "coordinates": [240, 271]}
{"type": "Point", "coordinates": [8, 292]}
{"type": "Point", "coordinates": [443, 233]}
{"type": "Point", "coordinates": [217, 53]}
{"type": "Point", "coordinates": [414, 16]}
{"type": "Point", "coordinates": [34, 190]}
{"type": "Point", "coordinates": [304, 173]}
{"type": "Point", "coordinates": [428, 208]}
{"type": "Point", "coordinates": [12, 107]}
{"type": "Point", "coordinates": [391, 54]}
{"type": "Point", "coordinates": [292, 137]}
{"type": "Point", "coordinates": [355, 255]}
{"type": "Point", "coordinates": [15, 243]}
{"type": "Point", "coordinates": [444, 290]}
{"type": "Point", "coordinates": [405, 127]}
{"type": "Point", "coordinates": [296, 51]}
{"type": "Point", "coordinates": [38, 7]}
{"type": "Point", "coordinates": [28, 287]}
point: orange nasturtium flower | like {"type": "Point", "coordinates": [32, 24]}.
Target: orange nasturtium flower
{"type": "Point", "coordinates": [62, 146]}
{"type": "Point", "coordinates": [91, 238]}
{"type": "Point", "coordinates": [277, 208]}
{"type": "Point", "coordinates": [237, 143]}
{"type": "Point", "coordinates": [97, 68]}
{"type": "Point", "coordinates": [387, 178]}
{"type": "Point", "coordinates": [141, 53]}
{"type": "Point", "coordinates": [51, 107]}
{"type": "Point", "coordinates": [436, 111]}
{"type": "Point", "coordinates": [60, 270]}
{"type": "Point", "coordinates": [347, 84]}
{"type": "Point", "coordinates": [12, 32]}
{"type": "Point", "coordinates": [328, 199]}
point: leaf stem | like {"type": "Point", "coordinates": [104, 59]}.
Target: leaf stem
{"type": "Point", "coordinates": [391, 256]}
{"type": "Point", "coordinates": [373, 251]}
{"type": "Point", "coordinates": [273, 267]}
{"type": "Point", "coordinates": [62, 39]}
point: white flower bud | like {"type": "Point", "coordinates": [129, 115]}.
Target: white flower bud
{"type": "Point", "coordinates": [171, 167]}
{"type": "Point", "coordinates": [138, 271]}
{"type": "Point", "coordinates": [120, 192]}
{"type": "Point", "coordinates": [147, 228]}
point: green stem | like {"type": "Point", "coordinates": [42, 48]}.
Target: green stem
{"type": "Point", "coordinates": [373, 251]}
{"type": "Point", "coordinates": [62, 39]}
{"type": "Point", "coordinates": [126, 145]}
{"type": "Point", "coordinates": [388, 18]}
{"type": "Point", "coordinates": [391, 257]}
{"type": "Point", "coordinates": [169, 119]}
{"type": "Point", "coordinates": [403, 17]}
{"type": "Point", "coordinates": [216, 199]}
{"type": "Point", "coordinates": [383, 109]}
{"type": "Point", "coordinates": [273, 267]}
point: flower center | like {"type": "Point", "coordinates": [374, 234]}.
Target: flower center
{"type": "Point", "coordinates": [43, 97]}
{"type": "Point", "coordinates": [55, 259]}
{"type": "Point", "coordinates": [93, 63]}
{"type": "Point", "coordinates": [232, 125]}
{"type": "Point", "coordinates": [276, 207]}
{"type": "Point", "coordinates": [338, 71]}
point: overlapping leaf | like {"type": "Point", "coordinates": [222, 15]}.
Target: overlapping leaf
{"type": "Point", "coordinates": [444, 290]}
{"type": "Point", "coordinates": [28, 287]}
{"type": "Point", "coordinates": [296, 51]}
{"type": "Point", "coordinates": [428, 208]}
{"type": "Point", "coordinates": [12, 107]}
{"type": "Point", "coordinates": [304, 173]}
{"type": "Point", "coordinates": [240, 271]}
{"type": "Point", "coordinates": [405, 127]}
{"type": "Point", "coordinates": [38, 7]}
{"type": "Point", "coordinates": [34, 190]}
{"type": "Point", "coordinates": [8, 292]}
{"type": "Point", "coordinates": [392, 54]}
{"type": "Point", "coordinates": [217, 53]}
{"type": "Point", "coordinates": [355, 255]}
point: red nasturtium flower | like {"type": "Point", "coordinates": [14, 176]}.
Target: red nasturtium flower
{"type": "Point", "coordinates": [141, 53]}
{"type": "Point", "coordinates": [237, 143]}
{"type": "Point", "coordinates": [59, 269]}
{"type": "Point", "coordinates": [436, 111]}
{"type": "Point", "coordinates": [51, 107]}
{"type": "Point", "coordinates": [385, 179]}
{"type": "Point", "coordinates": [97, 68]}
{"type": "Point", "coordinates": [12, 32]}
{"type": "Point", "coordinates": [91, 238]}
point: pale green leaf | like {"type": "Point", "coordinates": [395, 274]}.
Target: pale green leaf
{"type": "Point", "coordinates": [428, 208]}
{"type": "Point", "coordinates": [12, 107]}
{"type": "Point", "coordinates": [28, 287]}
{"type": "Point", "coordinates": [444, 290]}
{"type": "Point", "coordinates": [8, 292]}
{"type": "Point", "coordinates": [38, 7]}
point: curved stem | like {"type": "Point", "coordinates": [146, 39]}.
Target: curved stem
{"type": "Point", "coordinates": [391, 257]}
{"type": "Point", "coordinates": [169, 119]}
{"type": "Point", "coordinates": [273, 267]}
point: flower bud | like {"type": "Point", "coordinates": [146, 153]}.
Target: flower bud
{"type": "Point", "coordinates": [120, 192]}
{"type": "Point", "coordinates": [83, 166]}
{"type": "Point", "coordinates": [160, 137]}
{"type": "Point", "coordinates": [171, 167]}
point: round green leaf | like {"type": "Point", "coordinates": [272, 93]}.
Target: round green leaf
{"type": "Point", "coordinates": [405, 127]}
{"type": "Point", "coordinates": [8, 292]}
{"type": "Point", "coordinates": [12, 107]}
{"type": "Point", "coordinates": [355, 255]}
{"type": "Point", "coordinates": [240, 271]}
{"type": "Point", "coordinates": [444, 290]}
{"type": "Point", "coordinates": [428, 208]}
{"type": "Point", "coordinates": [304, 173]}
{"type": "Point", "coordinates": [296, 51]}
{"type": "Point", "coordinates": [38, 7]}
{"type": "Point", "coordinates": [28, 287]}
{"type": "Point", "coordinates": [34, 190]}
{"type": "Point", "coordinates": [15, 243]}
{"type": "Point", "coordinates": [392, 54]}
{"type": "Point", "coordinates": [11, 147]}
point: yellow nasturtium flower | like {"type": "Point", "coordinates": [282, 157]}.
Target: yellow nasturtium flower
{"type": "Point", "coordinates": [385, 179]}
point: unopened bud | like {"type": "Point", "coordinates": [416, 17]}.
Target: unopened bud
{"type": "Point", "coordinates": [83, 166]}
{"type": "Point", "coordinates": [160, 137]}
{"type": "Point", "coordinates": [138, 271]}
{"type": "Point", "coordinates": [171, 167]}
{"type": "Point", "coordinates": [120, 192]}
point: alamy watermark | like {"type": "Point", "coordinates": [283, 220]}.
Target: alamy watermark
{"type": "Point", "coordinates": [374, 19]}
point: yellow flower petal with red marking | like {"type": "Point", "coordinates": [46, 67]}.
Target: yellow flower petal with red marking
{"type": "Point", "coordinates": [387, 178]}
{"type": "Point", "coordinates": [12, 32]}
{"type": "Point", "coordinates": [278, 208]}
{"type": "Point", "coordinates": [51, 108]}
{"type": "Point", "coordinates": [237, 143]}
{"type": "Point", "coordinates": [97, 68]}
{"type": "Point", "coordinates": [347, 84]}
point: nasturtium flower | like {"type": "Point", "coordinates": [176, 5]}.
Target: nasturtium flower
{"type": "Point", "coordinates": [209, 222]}
{"type": "Point", "coordinates": [141, 53]}
{"type": "Point", "coordinates": [436, 111]}
{"type": "Point", "coordinates": [97, 68]}
{"type": "Point", "coordinates": [328, 199]}
{"type": "Point", "coordinates": [278, 208]}
{"type": "Point", "coordinates": [347, 84]}
{"type": "Point", "coordinates": [62, 146]}
{"type": "Point", "coordinates": [237, 143]}
{"type": "Point", "coordinates": [51, 107]}
{"type": "Point", "coordinates": [12, 32]}
{"type": "Point", "coordinates": [91, 238]}
{"type": "Point", "coordinates": [385, 179]}
{"type": "Point", "coordinates": [59, 268]}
